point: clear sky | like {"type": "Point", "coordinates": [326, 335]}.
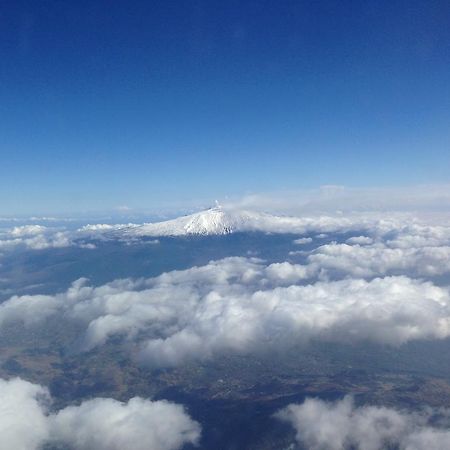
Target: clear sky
{"type": "Point", "coordinates": [145, 103]}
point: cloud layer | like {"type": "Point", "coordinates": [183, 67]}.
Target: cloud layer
{"type": "Point", "coordinates": [331, 198]}
{"type": "Point", "coordinates": [241, 305]}
{"type": "Point", "coordinates": [34, 237]}
{"type": "Point", "coordinates": [97, 424]}
{"type": "Point", "coordinates": [423, 230]}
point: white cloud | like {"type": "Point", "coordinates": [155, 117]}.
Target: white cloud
{"type": "Point", "coordinates": [34, 237]}
{"type": "Point", "coordinates": [360, 240]}
{"type": "Point", "coordinates": [139, 424]}
{"type": "Point", "coordinates": [27, 230]}
{"type": "Point", "coordinates": [101, 227]}
{"type": "Point", "coordinates": [23, 419]}
{"type": "Point", "coordinates": [378, 260]}
{"type": "Point", "coordinates": [97, 424]}
{"type": "Point", "coordinates": [29, 309]}
{"type": "Point", "coordinates": [321, 425]}
{"type": "Point", "coordinates": [305, 240]}
{"type": "Point", "coordinates": [394, 248]}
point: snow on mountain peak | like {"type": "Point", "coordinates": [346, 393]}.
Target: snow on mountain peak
{"type": "Point", "coordinates": [214, 221]}
{"type": "Point", "coordinates": [218, 221]}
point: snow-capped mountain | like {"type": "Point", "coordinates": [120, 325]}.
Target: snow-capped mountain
{"type": "Point", "coordinates": [214, 221]}
{"type": "Point", "coordinates": [222, 221]}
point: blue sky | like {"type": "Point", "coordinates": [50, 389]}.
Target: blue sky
{"type": "Point", "coordinates": [152, 103]}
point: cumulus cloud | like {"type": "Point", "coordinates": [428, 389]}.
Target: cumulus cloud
{"type": "Point", "coordinates": [305, 240]}
{"type": "Point", "coordinates": [393, 248]}
{"type": "Point", "coordinates": [360, 240]}
{"type": "Point", "coordinates": [40, 237]}
{"type": "Point", "coordinates": [27, 230]}
{"type": "Point", "coordinates": [321, 425]}
{"type": "Point", "coordinates": [414, 250]}
{"type": "Point", "coordinates": [241, 305]}
{"type": "Point", "coordinates": [98, 228]}
{"type": "Point", "coordinates": [23, 415]}
{"type": "Point", "coordinates": [29, 309]}
{"type": "Point", "coordinates": [139, 424]}
{"type": "Point", "coordinates": [97, 424]}
{"type": "Point", "coordinates": [34, 237]}
{"type": "Point", "coordinates": [378, 260]}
